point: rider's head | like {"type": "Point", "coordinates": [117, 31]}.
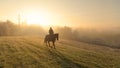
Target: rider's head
{"type": "Point", "coordinates": [50, 27]}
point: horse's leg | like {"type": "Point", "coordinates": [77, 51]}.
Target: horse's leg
{"type": "Point", "coordinates": [54, 44]}
{"type": "Point", "coordinates": [46, 44]}
{"type": "Point", "coordinates": [49, 44]}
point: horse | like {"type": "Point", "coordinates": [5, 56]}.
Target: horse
{"type": "Point", "coordinates": [51, 38]}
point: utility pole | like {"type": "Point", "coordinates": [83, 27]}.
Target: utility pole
{"type": "Point", "coordinates": [19, 24]}
{"type": "Point", "coordinates": [19, 20]}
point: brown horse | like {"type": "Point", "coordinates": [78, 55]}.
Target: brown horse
{"type": "Point", "coordinates": [51, 38]}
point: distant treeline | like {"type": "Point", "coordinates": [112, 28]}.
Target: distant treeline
{"type": "Point", "coordinates": [92, 36]}
{"type": "Point", "coordinates": [106, 37]}
{"type": "Point", "coordinates": [8, 28]}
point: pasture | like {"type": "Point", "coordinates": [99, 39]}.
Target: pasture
{"type": "Point", "coordinates": [31, 52]}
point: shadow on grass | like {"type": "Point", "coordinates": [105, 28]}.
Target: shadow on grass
{"type": "Point", "coordinates": [63, 61]}
{"type": "Point", "coordinates": [1, 66]}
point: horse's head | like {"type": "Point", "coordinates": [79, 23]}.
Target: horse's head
{"type": "Point", "coordinates": [57, 36]}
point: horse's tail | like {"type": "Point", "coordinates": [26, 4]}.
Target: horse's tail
{"type": "Point", "coordinates": [45, 39]}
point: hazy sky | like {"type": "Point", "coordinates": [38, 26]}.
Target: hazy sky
{"type": "Point", "coordinates": [65, 12]}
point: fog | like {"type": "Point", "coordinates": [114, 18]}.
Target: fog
{"type": "Point", "coordinates": [106, 36]}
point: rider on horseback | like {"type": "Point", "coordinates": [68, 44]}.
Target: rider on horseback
{"type": "Point", "coordinates": [51, 32]}
{"type": "Point", "coordinates": [51, 37]}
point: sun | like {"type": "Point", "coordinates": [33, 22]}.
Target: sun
{"type": "Point", "coordinates": [39, 18]}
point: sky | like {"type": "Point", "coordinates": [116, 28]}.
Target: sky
{"type": "Point", "coordinates": [62, 12]}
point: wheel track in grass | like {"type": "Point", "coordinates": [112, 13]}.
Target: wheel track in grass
{"type": "Point", "coordinates": [30, 51]}
{"type": "Point", "coordinates": [21, 48]}
{"type": "Point", "coordinates": [27, 52]}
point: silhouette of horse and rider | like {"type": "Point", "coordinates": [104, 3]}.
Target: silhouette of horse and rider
{"type": "Point", "coordinates": [51, 37]}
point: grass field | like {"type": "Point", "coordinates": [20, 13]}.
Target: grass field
{"type": "Point", "coordinates": [31, 52]}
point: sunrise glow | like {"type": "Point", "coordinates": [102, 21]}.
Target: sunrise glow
{"type": "Point", "coordinates": [38, 18]}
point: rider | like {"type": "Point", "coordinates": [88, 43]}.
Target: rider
{"type": "Point", "coordinates": [51, 32]}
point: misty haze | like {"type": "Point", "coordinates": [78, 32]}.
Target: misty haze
{"type": "Point", "coordinates": [59, 34]}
